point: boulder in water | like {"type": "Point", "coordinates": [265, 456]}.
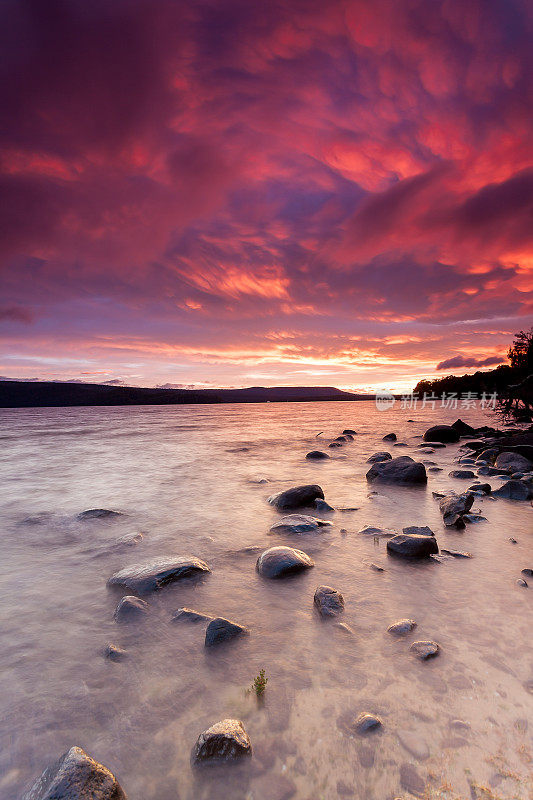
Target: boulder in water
{"type": "Point", "coordinates": [297, 497]}
{"type": "Point", "coordinates": [298, 523]}
{"type": "Point", "coordinates": [442, 433]}
{"type": "Point", "coordinates": [381, 455]}
{"type": "Point", "coordinates": [418, 530]}
{"type": "Point", "coordinates": [402, 627]}
{"type": "Point", "coordinates": [277, 562]}
{"type": "Point", "coordinates": [425, 650]}
{"type": "Point", "coordinates": [115, 653]}
{"type": "Point", "coordinates": [402, 470]}
{"type": "Point", "coordinates": [317, 455]}
{"type": "Point", "coordinates": [152, 575]}
{"type": "Point", "coordinates": [225, 741]}
{"type": "Point", "coordinates": [190, 615]}
{"type": "Point", "coordinates": [389, 437]}
{"type": "Point", "coordinates": [513, 462]}
{"type": "Point", "coordinates": [366, 722]}
{"type": "Point", "coordinates": [462, 474]}
{"type": "Point", "coordinates": [515, 490]}
{"type": "Point", "coordinates": [76, 776]}
{"type": "Point", "coordinates": [328, 601]}
{"type": "Point", "coordinates": [412, 546]}
{"type": "Point", "coordinates": [98, 513]}
{"type": "Point", "coordinates": [454, 506]}
{"type": "Point", "coordinates": [221, 629]}
{"type": "Point", "coordinates": [349, 431]}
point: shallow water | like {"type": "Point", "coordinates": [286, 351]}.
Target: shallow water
{"type": "Point", "coordinates": [186, 477]}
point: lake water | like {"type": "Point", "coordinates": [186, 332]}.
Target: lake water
{"type": "Point", "coordinates": [187, 478]}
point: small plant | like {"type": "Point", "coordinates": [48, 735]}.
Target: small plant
{"type": "Point", "coordinates": [260, 682]}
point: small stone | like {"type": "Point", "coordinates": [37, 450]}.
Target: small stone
{"type": "Point", "coordinates": [389, 437]}
{"type": "Point", "coordinates": [115, 653]}
{"type": "Point", "coordinates": [380, 456]}
{"type": "Point", "coordinates": [402, 627]}
{"type": "Point", "coordinates": [323, 506]}
{"type": "Point", "coordinates": [425, 650]}
{"type": "Point", "coordinates": [456, 553]}
{"type": "Point", "coordinates": [316, 455]}
{"type": "Point", "coordinates": [297, 497]}
{"type": "Point", "coordinates": [98, 513]}
{"type": "Point", "coordinates": [528, 572]}
{"type": "Point", "coordinates": [129, 609]}
{"type": "Point", "coordinates": [366, 722]}
{"type": "Point", "coordinates": [376, 567]}
{"type": "Point", "coordinates": [278, 562]}
{"type": "Point", "coordinates": [297, 524]}
{"type": "Point", "coordinates": [190, 615]}
{"type": "Point", "coordinates": [522, 582]}
{"type": "Point", "coordinates": [225, 741]}
{"type": "Point", "coordinates": [328, 601]}
{"type": "Point", "coordinates": [462, 474]}
{"type": "Point", "coordinates": [350, 431]}
{"type": "Point", "coordinates": [412, 546]}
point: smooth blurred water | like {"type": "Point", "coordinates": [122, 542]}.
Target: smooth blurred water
{"type": "Point", "coordinates": [186, 477]}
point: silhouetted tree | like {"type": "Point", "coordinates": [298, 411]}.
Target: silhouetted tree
{"type": "Point", "coordinates": [520, 353]}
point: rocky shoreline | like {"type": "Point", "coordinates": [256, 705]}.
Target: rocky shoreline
{"type": "Point", "coordinates": [482, 452]}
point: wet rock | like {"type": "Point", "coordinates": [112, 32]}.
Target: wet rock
{"type": "Point", "coordinates": [402, 627]}
{"type": "Point", "coordinates": [434, 445]}
{"type": "Point", "coordinates": [462, 474]}
{"type": "Point", "coordinates": [340, 439]}
{"type": "Point", "coordinates": [366, 722]}
{"type": "Point", "coordinates": [488, 454]}
{"type": "Point", "coordinates": [400, 444]}
{"type": "Point", "coordinates": [425, 650]}
{"type": "Point", "coordinates": [379, 456]}
{"type": "Point", "coordinates": [514, 490]}
{"type": "Point", "coordinates": [402, 470]}
{"type": "Point", "coordinates": [412, 546]}
{"type": "Point", "coordinates": [463, 429]}
{"type": "Point", "coordinates": [335, 444]}
{"type": "Point", "coordinates": [390, 437]}
{"type": "Point", "coordinates": [435, 469]}
{"type": "Point", "coordinates": [130, 539]}
{"type": "Point", "coordinates": [328, 601]}
{"type": "Point", "coordinates": [277, 562]}
{"type": "Point", "coordinates": [371, 530]}
{"type": "Point", "coordinates": [522, 582]}
{"type": "Point", "coordinates": [483, 488]}
{"type": "Point", "coordinates": [225, 741]}
{"type": "Point", "coordinates": [411, 781]}
{"type": "Point", "coordinates": [344, 628]}
{"type": "Point", "coordinates": [474, 518]}
{"type": "Point", "coordinates": [76, 776]}
{"type": "Point", "coordinates": [324, 507]}
{"type": "Point", "coordinates": [221, 629]}
{"type": "Point", "coordinates": [441, 433]}
{"type": "Point", "coordinates": [376, 567]}
{"type": "Point", "coordinates": [456, 553]}
{"type": "Point", "coordinates": [115, 653]}
{"type": "Point", "coordinates": [513, 462]}
{"type": "Point", "coordinates": [152, 575]}
{"type": "Point", "coordinates": [350, 431]}
{"type": "Point", "coordinates": [297, 497]}
{"type": "Point", "coordinates": [418, 530]}
{"type": "Point", "coordinates": [316, 455]}
{"type": "Point", "coordinates": [453, 507]}
{"type": "Point", "coordinates": [190, 615]}
{"type": "Point", "coordinates": [297, 524]}
{"type": "Point", "coordinates": [130, 609]}
{"type": "Point", "coordinates": [98, 513]}
{"type": "Point", "coordinates": [528, 572]}
{"type": "Point", "coordinates": [414, 744]}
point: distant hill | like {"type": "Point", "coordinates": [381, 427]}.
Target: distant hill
{"type": "Point", "coordinates": [30, 394]}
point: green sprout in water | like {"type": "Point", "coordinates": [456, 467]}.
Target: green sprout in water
{"type": "Point", "coordinates": [260, 682]}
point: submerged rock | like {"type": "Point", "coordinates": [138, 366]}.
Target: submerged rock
{"type": "Point", "coordinates": [441, 433]}
{"type": "Point", "coordinates": [277, 562]}
{"type": "Point", "coordinates": [317, 455]}
{"type": "Point", "coordinates": [366, 722]}
{"type": "Point", "coordinates": [76, 776]}
{"type": "Point", "coordinates": [98, 513]}
{"type": "Point", "coordinates": [402, 627]}
{"type": "Point", "coordinates": [390, 437]}
{"type": "Point", "coordinates": [418, 530]}
{"type": "Point", "coordinates": [381, 455]}
{"type": "Point", "coordinates": [453, 507]}
{"type": "Point", "coordinates": [152, 575]}
{"type": "Point", "coordinates": [456, 553]}
{"type": "Point", "coordinates": [370, 530]}
{"type": "Point", "coordinates": [425, 650]}
{"type": "Point", "coordinates": [225, 741]}
{"type": "Point", "coordinates": [129, 609]}
{"type": "Point", "coordinates": [324, 507]}
{"type": "Point", "coordinates": [350, 431]}
{"type": "Point", "coordinates": [115, 653]}
{"type": "Point", "coordinates": [298, 523]}
{"type": "Point", "coordinates": [482, 488]}
{"type": "Point", "coordinates": [402, 470]}
{"type": "Point", "coordinates": [335, 444]}
{"type": "Point", "coordinates": [412, 546]}
{"type": "Point", "coordinates": [462, 474]}
{"type": "Point", "coordinates": [221, 629]}
{"type": "Point", "coordinates": [297, 497]}
{"type": "Point", "coordinates": [190, 615]}
{"type": "Point", "coordinates": [328, 601]}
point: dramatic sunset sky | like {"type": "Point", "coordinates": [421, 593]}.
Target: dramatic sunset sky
{"type": "Point", "coordinates": [235, 192]}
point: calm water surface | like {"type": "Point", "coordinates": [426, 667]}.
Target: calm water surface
{"type": "Point", "coordinates": [187, 477]}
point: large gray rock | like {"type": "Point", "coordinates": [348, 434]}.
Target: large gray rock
{"type": "Point", "coordinates": [441, 433]}
{"type": "Point", "coordinates": [412, 546]}
{"type": "Point", "coordinates": [515, 490]}
{"type": "Point", "coordinates": [129, 609]}
{"type": "Point", "coordinates": [277, 562]}
{"type": "Point", "coordinates": [328, 601]}
{"type": "Point", "coordinates": [225, 741]}
{"type": "Point", "coordinates": [298, 523]}
{"type": "Point", "coordinates": [454, 506]}
{"type": "Point", "coordinates": [152, 575]}
{"type": "Point", "coordinates": [513, 462]}
{"type": "Point", "coordinates": [76, 776]}
{"type": "Point", "coordinates": [221, 629]}
{"type": "Point", "coordinates": [402, 470]}
{"type": "Point", "coordinates": [381, 455]}
{"type": "Point", "coordinates": [297, 497]}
